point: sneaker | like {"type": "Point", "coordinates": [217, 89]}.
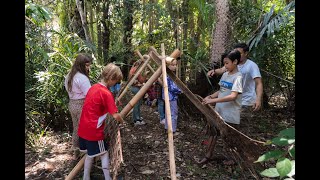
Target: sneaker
{"type": "Point", "coordinates": [142, 122]}
{"type": "Point", "coordinates": [163, 121]}
{"type": "Point", "coordinates": [138, 123]}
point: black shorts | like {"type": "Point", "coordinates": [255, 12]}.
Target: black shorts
{"type": "Point", "coordinates": [93, 148]}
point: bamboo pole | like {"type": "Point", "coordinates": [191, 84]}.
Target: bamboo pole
{"type": "Point", "coordinates": [142, 58]}
{"type": "Point", "coordinates": [125, 84]}
{"type": "Point", "coordinates": [123, 113]}
{"type": "Point", "coordinates": [76, 169]}
{"type": "Point", "coordinates": [133, 78]}
{"type": "Point", "coordinates": [141, 92]}
{"type": "Point", "coordinates": [168, 116]}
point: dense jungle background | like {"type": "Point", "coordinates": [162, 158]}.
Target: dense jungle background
{"type": "Point", "coordinates": [111, 30]}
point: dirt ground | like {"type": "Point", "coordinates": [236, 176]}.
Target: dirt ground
{"type": "Point", "coordinates": [145, 149]}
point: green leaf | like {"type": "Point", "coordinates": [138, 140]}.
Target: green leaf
{"type": "Point", "coordinates": [268, 142]}
{"type": "Point", "coordinates": [293, 169]}
{"type": "Point", "coordinates": [282, 141]}
{"type": "Point", "coordinates": [284, 167]}
{"type": "Point", "coordinates": [271, 172]}
{"type": "Point", "coordinates": [276, 154]}
{"type": "Point", "coordinates": [289, 133]}
{"type": "Point", "coordinates": [292, 152]}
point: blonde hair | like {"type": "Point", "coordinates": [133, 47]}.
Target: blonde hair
{"type": "Point", "coordinates": [111, 72]}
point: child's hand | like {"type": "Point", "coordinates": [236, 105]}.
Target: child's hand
{"type": "Point", "coordinates": [208, 100]}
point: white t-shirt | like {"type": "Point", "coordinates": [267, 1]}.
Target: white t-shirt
{"type": "Point", "coordinates": [249, 71]}
{"type": "Point", "coordinates": [80, 86]}
{"type": "Point", "coordinates": [230, 111]}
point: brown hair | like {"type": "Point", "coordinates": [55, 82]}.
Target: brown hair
{"type": "Point", "coordinates": [79, 65]}
{"type": "Point", "coordinates": [111, 72]}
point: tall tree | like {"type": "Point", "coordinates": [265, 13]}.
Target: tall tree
{"type": "Point", "coordinates": [127, 36]}
{"type": "Point", "coordinates": [83, 20]}
{"type": "Point", "coordinates": [185, 13]}
{"type": "Point", "coordinates": [151, 21]}
{"type": "Point", "coordinates": [221, 32]}
{"type": "Point", "coordinates": [106, 30]}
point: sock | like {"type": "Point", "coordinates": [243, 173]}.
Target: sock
{"type": "Point", "coordinates": [105, 165]}
{"type": "Point", "coordinates": [87, 167]}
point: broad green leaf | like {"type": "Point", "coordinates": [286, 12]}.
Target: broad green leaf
{"type": "Point", "coordinates": [293, 169]}
{"type": "Point", "coordinates": [269, 155]}
{"type": "Point", "coordinates": [282, 141]}
{"type": "Point", "coordinates": [290, 133]}
{"type": "Point", "coordinates": [271, 172]}
{"type": "Point", "coordinates": [283, 166]}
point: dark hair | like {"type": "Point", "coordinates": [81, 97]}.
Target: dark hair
{"type": "Point", "coordinates": [79, 65]}
{"type": "Point", "coordinates": [232, 55]}
{"type": "Point", "coordinates": [244, 46]}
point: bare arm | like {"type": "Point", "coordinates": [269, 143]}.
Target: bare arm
{"type": "Point", "coordinates": [228, 98]}
{"type": "Point", "coordinates": [118, 117]}
{"type": "Point", "coordinates": [259, 92]}
{"type": "Point", "coordinates": [216, 71]}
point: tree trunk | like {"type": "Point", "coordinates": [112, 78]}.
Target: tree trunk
{"type": "Point", "coordinates": [83, 21]}
{"type": "Point", "coordinates": [151, 22]}
{"type": "Point", "coordinates": [99, 36]}
{"type": "Point", "coordinates": [91, 21]}
{"type": "Point", "coordinates": [106, 31]}
{"type": "Point", "coordinates": [185, 13]}
{"type": "Point", "coordinates": [220, 33]}
{"type": "Point", "coordinates": [127, 35]}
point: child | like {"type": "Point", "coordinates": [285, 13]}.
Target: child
{"type": "Point", "coordinates": [135, 87]}
{"type": "Point", "coordinates": [115, 89]}
{"type": "Point", "coordinates": [228, 98]}
{"type": "Point", "coordinates": [98, 103]}
{"type": "Point", "coordinates": [173, 92]}
{"type": "Point", "coordinates": [151, 96]}
{"type": "Point", "coordinates": [160, 102]}
{"type": "Point", "coordinates": [77, 84]}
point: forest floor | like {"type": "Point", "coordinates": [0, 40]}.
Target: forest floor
{"type": "Point", "coordinates": [145, 148]}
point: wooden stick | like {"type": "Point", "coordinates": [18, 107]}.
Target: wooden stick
{"type": "Point", "coordinates": [163, 52]}
{"type": "Point", "coordinates": [141, 92]}
{"type": "Point", "coordinates": [142, 58]}
{"type": "Point", "coordinates": [76, 169]}
{"type": "Point", "coordinates": [168, 117]}
{"type": "Point", "coordinates": [175, 53]}
{"type": "Point", "coordinates": [137, 73]}
{"type": "Point", "coordinates": [151, 48]}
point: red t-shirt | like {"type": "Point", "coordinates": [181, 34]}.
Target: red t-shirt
{"type": "Point", "coordinates": [98, 102]}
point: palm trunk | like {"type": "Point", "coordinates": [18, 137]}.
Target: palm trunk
{"type": "Point", "coordinates": [220, 33]}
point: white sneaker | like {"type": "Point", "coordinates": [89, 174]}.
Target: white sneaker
{"type": "Point", "coordinates": [138, 123]}
{"type": "Point", "coordinates": [142, 122]}
{"type": "Point", "coordinates": [163, 121]}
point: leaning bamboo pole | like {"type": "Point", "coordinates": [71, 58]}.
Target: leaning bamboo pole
{"type": "Point", "coordinates": [168, 116]}
{"type": "Point", "coordinates": [123, 113]}
{"type": "Point", "coordinates": [137, 73]}
{"type": "Point", "coordinates": [142, 58]}
{"type": "Point", "coordinates": [141, 92]}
